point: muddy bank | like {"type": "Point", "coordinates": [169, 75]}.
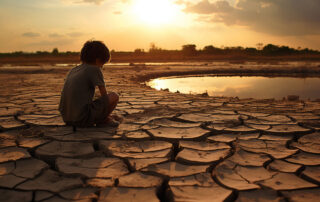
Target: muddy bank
{"type": "Point", "coordinates": [143, 72]}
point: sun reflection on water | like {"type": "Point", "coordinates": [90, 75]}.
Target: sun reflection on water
{"type": "Point", "coordinates": [243, 87]}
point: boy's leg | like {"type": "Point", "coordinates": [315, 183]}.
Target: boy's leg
{"type": "Point", "coordinates": [103, 107]}
{"type": "Point", "coordinates": [113, 99]}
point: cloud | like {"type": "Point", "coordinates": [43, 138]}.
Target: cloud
{"type": "Point", "coordinates": [48, 43]}
{"type": "Point", "coordinates": [97, 2]}
{"type": "Point", "coordinates": [55, 35]}
{"type": "Point", "coordinates": [31, 34]}
{"type": "Point", "coordinates": [75, 34]}
{"type": "Point", "coordinates": [205, 7]}
{"type": "Point", "coordinates": [280, 17]}
{"type": "Point", "coordinates": [183, 2]}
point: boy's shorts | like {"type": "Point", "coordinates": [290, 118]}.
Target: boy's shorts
{"type": "Point", "coordinates": [97, 113]}
{"type": "Point", "coordinates": [98, 110]}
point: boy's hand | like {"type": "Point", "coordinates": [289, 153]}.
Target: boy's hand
{"type": "Point", "coordinates": [103, 90]}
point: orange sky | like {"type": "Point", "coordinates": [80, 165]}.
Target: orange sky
{"type": "Point", "coordinates": [31, 25]}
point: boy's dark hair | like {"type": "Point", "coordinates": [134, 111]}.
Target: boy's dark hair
{"type": "Point", "coordinates": [93, 50]}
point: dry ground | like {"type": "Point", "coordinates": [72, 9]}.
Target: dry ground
{"type": "Point", "coordinates": [170, 147]}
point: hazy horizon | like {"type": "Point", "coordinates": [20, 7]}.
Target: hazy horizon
{"type": "Point", "coordinates": [160, 48]}
{"type": "Point", "coordinates": [37, 25]}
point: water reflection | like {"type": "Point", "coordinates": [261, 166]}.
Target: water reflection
{"type": "Point", "coordinates": [243, 87]}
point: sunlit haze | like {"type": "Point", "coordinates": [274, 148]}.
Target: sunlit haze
{"type": "Point", "coordinates": [125, 25]}
{"type": "Point", "coordinates": [156, 12]}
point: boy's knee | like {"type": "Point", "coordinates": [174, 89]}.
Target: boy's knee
{"type": "Point", "coordinates": [113, 97]}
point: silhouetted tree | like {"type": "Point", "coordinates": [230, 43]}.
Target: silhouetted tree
{"type": "Point", "coordinates": [270, 49]}
{"type": "Point", "coordinates": [139, 51]}
{"type": "Point", "coordinates": [154, 48]}
{"type": "Point", "coordinates": [42, 53]}
{"type": "Point", "coordinates": [259, 46]}
{"type": "Point", "coordinates": [55, 51]}
{"type": "Point", "coordinates": [285, 50]}
{"type": "Point", "coordinates": [251, 50]}
{"type": "Point", "coordinates": [211, 49]}
{"type": "Point", "coordinates": [18, 53]}
{"type": "Point", "coordinates": [189, 49]}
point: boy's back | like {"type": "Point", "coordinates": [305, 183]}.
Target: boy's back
{"type": "Point", "coordinates": [77, 106]}
{"type": "Point", "coordinates": [78, 92]}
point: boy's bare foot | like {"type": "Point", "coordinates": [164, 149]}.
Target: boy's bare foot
{"type": "Point", "coordinates": [117, 117]}
{"type": "Point", "coordinates": [109, 122]}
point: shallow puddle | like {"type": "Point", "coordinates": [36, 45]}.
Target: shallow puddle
{"type": "Point", "coordinates": [243, 87]}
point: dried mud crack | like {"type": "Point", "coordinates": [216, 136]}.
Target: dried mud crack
{"type": "Point", "coordinates": [170, 147]}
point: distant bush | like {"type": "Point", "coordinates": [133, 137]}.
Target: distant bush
{"type": "Point", "coordinates": [189, 50]}
{"type": "Point", "coordinates": [55, 51]}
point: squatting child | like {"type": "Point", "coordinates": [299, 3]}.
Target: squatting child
{"type": "Point", "coordinates": [77, 106]}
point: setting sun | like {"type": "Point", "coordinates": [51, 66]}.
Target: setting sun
{"type": "Point", "coordinates": [156, 12]}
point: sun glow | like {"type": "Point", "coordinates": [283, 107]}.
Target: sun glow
{"type": "Point", "coordinates": [156, 12]}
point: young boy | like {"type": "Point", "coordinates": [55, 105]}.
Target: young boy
{"type": "Point", "coordinates": [76, 105]}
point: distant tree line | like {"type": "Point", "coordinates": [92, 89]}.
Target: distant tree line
{"type": "Point", "coordinates": [54, 52]}
{"type": "Point", "coordinates": [191, 50]}
{"type": "Point", "coordinates": [188, 50]}
{"type": "Point", "coordinates": [268, 50]}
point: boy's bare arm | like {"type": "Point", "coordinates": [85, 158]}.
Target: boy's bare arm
{"type": "Point", "coordinates": [103, 90]}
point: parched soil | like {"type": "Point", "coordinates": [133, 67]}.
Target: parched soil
{"type": "Point", "coordinates": [170, 146]}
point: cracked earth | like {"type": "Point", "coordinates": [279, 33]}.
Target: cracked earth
{"type": "Point", "coordinates": [170, 147]}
